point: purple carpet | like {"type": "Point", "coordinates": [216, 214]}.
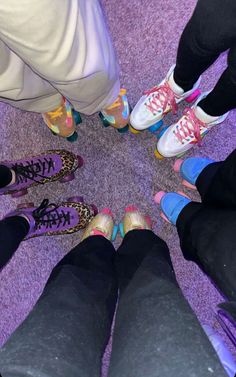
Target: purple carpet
{"type": "Point", "coordinates": [119, 169]}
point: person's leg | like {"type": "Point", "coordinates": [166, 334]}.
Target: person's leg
{"type": "Point", "coordinates": [66, 332]}
{"type": "Point", "coordinates": [156, 332]}
{"type": "Point", "coordinates": [12, 232]}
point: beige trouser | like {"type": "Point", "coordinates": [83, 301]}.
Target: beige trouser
{"type": "Point", "coordinates": [54, 48]}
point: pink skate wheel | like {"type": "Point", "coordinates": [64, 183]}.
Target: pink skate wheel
{"type": "Point", "coordinates": [193, 96]}
{"type": "Point", "coordinates": [163, 216]}
{"type": "Point", "coordinates": [131, 208]}
{"type": "Point", "coordinates": [67, 178]}
{"type": "Point", "coordinates": [76, 199]}
{"type": "Point", "coordinates": [183, 194]}
{"type": "Point", "coordinates": [18, 194]}
{"type": "Point", "coordinates": [159, 196]}
{"type": "Point", "coordinates": [25, 205]}
{"type": "Point", "coordinates": [149, 221]}
{"type": "Point", "coordinates": [94, 208]}
{"type": "Point", "coordinates": [80, 161]}
{"type": "Point", "coordinates": [188, 185]}
{"type": "Point", "coordinates": [177, 165]}
{"type": "Point", "coordinates": [107, 211]}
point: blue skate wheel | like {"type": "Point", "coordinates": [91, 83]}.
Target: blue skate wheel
{"type": "Point", "coordinates": [77, 117]}
{"type": "Point", "coordinates": [121, 229]}
{"type": "Point", "coordinates": [115, 231]}
{"type": "Point", "coordinates": [123, 130]}
{"type": "Point", "coordinates": [161, 133]}
{"type": "Point", "coordinates": [155, 127]}
{"type": "Point", "coordinates": [72, 138]}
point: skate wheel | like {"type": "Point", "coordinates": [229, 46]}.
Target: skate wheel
{"type": "Point", "coordinates": [80, 161]}
{"type": "Point", "coordinates": [104, 120]}
{"type": "Point", "coordinates": [159, 196]}
{"type": "Point", "coordinates": [94, 208]}
{"type": "Point", "coordinates": [131, 208]}
{"type": "Point", "coordinates": [161, 133]}
{"type": "Point", "coordinates": [76, 199]}
{"type": "Point", "coordinates": [156, 127]}
{"type": "Point", "coordinates": [193, 96]}
{"type": "Point", "coordinates": [115, 231]}
{"type": "Point", "coordinates": [163, 216]}
{"type": "Point", "coordinates": [148, 221]}
{"type": "Point", "coordinates": [107, 211]}
{"type": "Point", "coordinates": [25, 205]}
{"type": "Point", "coordinates": [181, 154]}
{"type": "Point", "coordinates": [18, 194]}
{"type": "Point", "coordinates": [188, 185]}
{"type": "Point", "coordinates": [183, 194]}
{"type": "Point", "coordinates": [121, 229]}
{"type": "Point", "coordinates": [177, 165]}
{"type": "Point", "coordinates": [158, 155]}
{"type": "Point", "coordinates": [72, 138]}
{"type": "Point", "coordinates": [133, 130]}
{"type": "Point", "coordinates": [67, 178]}
{"type": "Point", "coordinates": [77, 117]}
{"type": "Point", "coordinates": [123, 130]}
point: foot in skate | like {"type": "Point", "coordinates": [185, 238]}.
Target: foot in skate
{"type": "Point", "coordinates": [102, 225]}
{"type": "Point", "coordinates": [134, 220]}
{"type": "Point", "coordinates": [159, 101]}
{"type": "Point", "coordinates": [55, 219]}
{"type": "Point", "coordinates": [53, 165]}
{"type": "Point", "coordinates": [172, 204]}
{"type": "Point", "coordinates": [188, 131]}
{"type": "Point", "coordinates": [117, 114]}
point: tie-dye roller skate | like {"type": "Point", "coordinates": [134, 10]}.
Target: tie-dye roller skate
{"type": "Point", "coordinates": [172, 204]}
{"type": "Point", "coordinates": [102, 225]}
{"type": "Point", "coordinates": [117, 115]}
{"type": "Point", "coordinates": [159, 101]}
{"type": "Point", "coordinates": [56, 219]}
{"type": "Point", "coordinates": [63, 120]}
{"type": "Point", "coordinates": [187, 132]}
{"type": "Point", "coordinates": [190, 169]}
{"type": "Point", "coordinates": [132, 220]}
{"type": "Point", "coordinates": [53, 165]}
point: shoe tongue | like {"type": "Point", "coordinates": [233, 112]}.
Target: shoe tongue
{"type": "Point", "coordinates": [175, 87]}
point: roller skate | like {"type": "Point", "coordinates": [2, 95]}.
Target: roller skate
{"type": "Point", "coordinates": [188, 131]}
{"type": "Point", "coordinates": [54, 165]}
{"type": "Point", "coordinates": [63, 120]}
{"type": "Point", "coordinates": [190, 169]}
{"type": "Point", "coordinates": [54, 220]}
{"type": "Point", "coordinates": [132, 220]}
{"type": "Point", "coordinates": [159, 101]}
{"type": "Point", "coordinates": [172, 204]}
{"type": "Point", "coordinates": [102, 225]}
{"type": "Point", "coordinates": [117, 115]}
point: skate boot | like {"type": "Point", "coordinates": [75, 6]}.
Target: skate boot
{"type": "Point", "coordinates": [159, 101]}
{"type": "Point", "coordinates": [54, 165]}
{"type": "Point", "coordinates": [54, 220]}
{"type": "Point", "coordinates": [132, 220]}
{"type": "Point", "coordinates": [171, 204]}
{"type": "Point", "coordinates": [117, 115]}
{"type": "Point", "coordinates": [190, 169]}
{"type": "Point", "coordinates": [188, 131]}
{"type": "Point", "coordinates": [62, 121]}
{"type": "Point", "coordinates": [102, 225]}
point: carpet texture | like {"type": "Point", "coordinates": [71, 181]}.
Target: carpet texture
{"type": "Point", "coordinates": [119, 169]}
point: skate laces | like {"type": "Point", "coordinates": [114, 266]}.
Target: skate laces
{"type": "Point", "coordinates": [56, 113]}
{"type": "Point", "coordinates": [33, 169]}
{"type": "Point", "coordinates": [47, 215]}
{"type": "Point", "coordinates": [118, 101]}
{"type": "Point", "coordinates": [159, 97]}
{"type": "Point", "coordinates": [189, 127]}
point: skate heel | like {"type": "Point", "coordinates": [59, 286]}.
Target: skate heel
{"type": "Point", "coordinates": [18, 194]}
{"type": "Point", "coordinates": [193, 96]}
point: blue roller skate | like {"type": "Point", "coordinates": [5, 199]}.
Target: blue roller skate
{"type": "Point", "coordinates": [172, 204]}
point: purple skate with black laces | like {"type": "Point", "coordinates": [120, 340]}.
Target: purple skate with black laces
{"type": "Point", "coordinates": [53, 165]}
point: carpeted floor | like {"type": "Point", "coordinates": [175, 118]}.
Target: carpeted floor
{"type": "Point", "coordinates": [119, 169]}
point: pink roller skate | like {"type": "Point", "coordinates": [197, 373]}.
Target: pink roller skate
{"type": "Point", "coordinates": [53, 220]}
{"type": "Point", "coordinates": [159, 101]}
{"type": "Point", "coordinates": [102, 225]}
{"type": "Point", "coordinates": [133, 219]}
{"type": "Point", "coordinates": [54, 165]}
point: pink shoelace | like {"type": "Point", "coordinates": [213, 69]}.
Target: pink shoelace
{"type": "Point", "coordinates": [164, 95]}
{"type": "Point", "coordinates": [189, 126]}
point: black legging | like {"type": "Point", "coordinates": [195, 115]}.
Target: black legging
{"type": "Point", "coordinates": [210, 31]}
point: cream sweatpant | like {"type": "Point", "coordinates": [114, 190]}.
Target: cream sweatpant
{"type": "Point", "coordinates": [55, 48]}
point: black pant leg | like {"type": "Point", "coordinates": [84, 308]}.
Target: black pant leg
{"type": "Point", "coordinates": [66, 332]}
{"type": "Point", "coordinates": [12, 231]}
{"type": "Point", "coordinates": [156, 333]}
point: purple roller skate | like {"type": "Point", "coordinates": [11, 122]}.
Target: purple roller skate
{"type": "Point", "coordinates": [171, 204]}
{"type": "Point", "coordinates": [53, 165]}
